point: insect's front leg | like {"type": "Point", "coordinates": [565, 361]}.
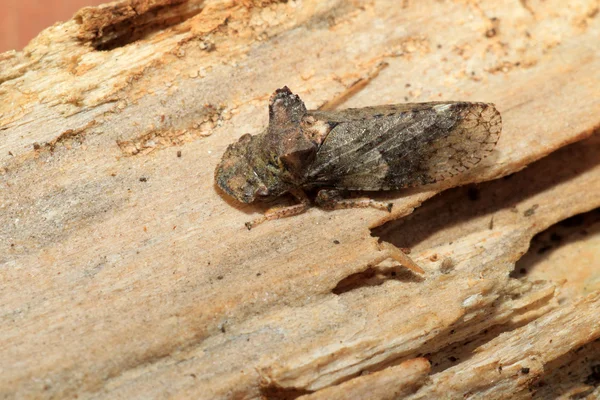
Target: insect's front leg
{"type": "Point", "coordinates": [282, 212]}
{"type": "Point", "coordinates": [333, 200]}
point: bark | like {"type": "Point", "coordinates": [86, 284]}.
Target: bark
{"type": "Point", "coordinates": [127, 274]}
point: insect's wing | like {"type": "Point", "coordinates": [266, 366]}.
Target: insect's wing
{"type": "Point", "coordinates": [392, 147]}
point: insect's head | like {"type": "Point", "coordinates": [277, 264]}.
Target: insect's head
{"type": "Point", "coordinates": [235, 174]}
{"type": "Point", "coordinates": [251, 169]}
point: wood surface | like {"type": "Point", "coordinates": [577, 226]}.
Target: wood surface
{"type": "Point", "coordinates": [126, 274]}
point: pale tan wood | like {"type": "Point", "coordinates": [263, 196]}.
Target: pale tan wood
{"type": "Point", "coordinates": [389, 383]}
{"type": "Point", "coordinates": [126, 274]}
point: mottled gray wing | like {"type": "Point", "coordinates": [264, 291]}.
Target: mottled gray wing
{"type": "Point", "coordinates": [392, 147]}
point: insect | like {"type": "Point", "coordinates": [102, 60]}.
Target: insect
{"type": "Point", "coordinates": [358, 149]}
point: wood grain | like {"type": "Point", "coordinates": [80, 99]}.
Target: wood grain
{"type": "Point", "coordinates": [126, 274]}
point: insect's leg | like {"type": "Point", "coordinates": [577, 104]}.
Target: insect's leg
{"type": "Point", "coordinates": [332, 200]}
{"type": "Point", "coordinates": [398, 255]}
{"type": "Point", "coordinates": [282, 212]}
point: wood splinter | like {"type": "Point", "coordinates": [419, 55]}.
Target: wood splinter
{"type": "Point", "coordinates": [398, 255]}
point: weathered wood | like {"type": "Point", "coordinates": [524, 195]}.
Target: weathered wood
{"type": "Point", "coordinates": [390, 383]}
{"type": "Point", "coordinates": [126, 274]}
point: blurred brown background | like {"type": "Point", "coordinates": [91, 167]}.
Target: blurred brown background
{"type": "Point", "coordinates": [22, 20]}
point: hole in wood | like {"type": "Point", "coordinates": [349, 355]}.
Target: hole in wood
{"type": "Point", "coordinates": [272, 392]}
{"type": "Point", "coordinates": [564, 253]}
{"type": "Point", "coordinates": [111, 30]}
{"type": "Point", "coordinates": [375, 276]}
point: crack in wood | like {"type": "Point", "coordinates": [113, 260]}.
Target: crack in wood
{"type": "Point", "coordinates": [111, 27]}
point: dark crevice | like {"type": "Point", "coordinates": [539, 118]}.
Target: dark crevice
{"type": "Point", "coordinates": [556, 236]}
{"type": "Point", "coordinates": [278, 393]}
{"type": "Point", "coordinates": [123, 30]}
{"type": "Point", "coordinates": [375, 276]}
